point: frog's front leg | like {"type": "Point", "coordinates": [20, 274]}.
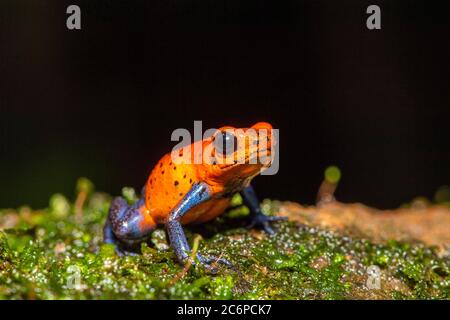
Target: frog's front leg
{"type": "Point", "coordinates": [196, 195]}
{"type": "Point", "coordinates": [126, 225]}
{"type": "Point", "coordinates": [257, 217]}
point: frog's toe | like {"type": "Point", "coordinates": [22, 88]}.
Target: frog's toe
{"type": "Point", "coordinates": [211, 263]}
{"type": "Point", "coordinates": [264, 221]}
{"type": "Point", "coordinates": [122, 252]}
{"type": "Point", "coordinates": [268, 228]}
{"type": "Point", "coordinates": [275, 218]}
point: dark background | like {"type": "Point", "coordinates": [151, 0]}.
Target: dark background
{"type": "Point", "coordinates": [102, 102]}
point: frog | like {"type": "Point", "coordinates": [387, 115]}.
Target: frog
{"type": "Point", "coordinates": [181, 191]}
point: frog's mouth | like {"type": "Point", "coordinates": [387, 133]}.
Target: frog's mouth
{"type": "Point", "coordinates": [251, 152]}
{"type": "Point", "coordinates": [261, 158]}
{"type": "Point", "coordinates": [251, 159]}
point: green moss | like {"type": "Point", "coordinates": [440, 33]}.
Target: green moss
{"type": "Point", "coordinates": [55, 254]}
{"type": "Point", "coordinates": [332, 174]}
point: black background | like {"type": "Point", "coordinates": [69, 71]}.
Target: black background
{"type": "Point", "coordinates": [102, 102]}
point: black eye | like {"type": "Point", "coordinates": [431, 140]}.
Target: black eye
{"type": "Point", "coordinates": [226, 143]}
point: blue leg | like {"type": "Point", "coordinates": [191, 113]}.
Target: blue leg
{"type": "Point", "coordinates": [108, 234]}
{"type": "Point", "coordinates": [143, 191]}
{"type": "Point", "coordinates": [256, 215]}
{"type": "Point", "coordinates": [124, 226]}
{"type": "Point", "coordinates": [198, 194]}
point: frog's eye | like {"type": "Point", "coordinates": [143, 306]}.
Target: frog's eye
{"type": "Point", "coordinates": [225, 143]}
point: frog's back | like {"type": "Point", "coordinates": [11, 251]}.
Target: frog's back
{"type": "Point", "coordinates": [167, 185]}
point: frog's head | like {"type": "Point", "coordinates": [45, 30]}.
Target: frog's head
{"type": "Point", "coordinates": [234, 156]}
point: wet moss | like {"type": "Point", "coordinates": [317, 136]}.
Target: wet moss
{"type": "Point", "coordinates": [56, 253]}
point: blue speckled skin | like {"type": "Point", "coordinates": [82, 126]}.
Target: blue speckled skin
{"type": "Point", "coordinates": [122, 227]}
{"type": "Point", "coordinates": [198, 194]}
{"type": "Point", "coordinates": [123, 224]}
{"type": "Point", "coordinates": [126, 220]}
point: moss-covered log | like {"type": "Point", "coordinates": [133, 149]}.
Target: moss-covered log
{"type": "Point", "coordinates": [57, 253]}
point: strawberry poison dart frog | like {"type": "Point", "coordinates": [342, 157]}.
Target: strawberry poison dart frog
{"type": "Point", "coordinates": [188, 191]}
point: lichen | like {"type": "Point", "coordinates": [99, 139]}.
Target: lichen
{"type": "Point", "coordinates": [57, 253]}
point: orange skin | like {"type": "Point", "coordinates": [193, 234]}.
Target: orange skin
{"type": "Point", "coordinates": [169, 181]}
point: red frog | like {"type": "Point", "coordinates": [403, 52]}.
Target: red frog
{"type": "Point", "coordinates": [188, 191]}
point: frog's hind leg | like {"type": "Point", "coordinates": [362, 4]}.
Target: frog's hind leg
{"type": "Point", "coordinates": [126, 225]}
{"type": "Point", "coordinates": [257, 217]}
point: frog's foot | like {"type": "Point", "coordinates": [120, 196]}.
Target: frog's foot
{"type": "Point", "coordinates": [122, 252]}
{"type": "Point", "coordinates": [199, 193]}
{"type": "Point", "coordinates": [260, 219]}
{"type": "Point", "coordinates": [120, 249]}
{"type": "Point", "coordinates": [257, 218]}
{"type": "Point", "coordinates": [211, 263]}
{"type": "Point", "coordinates": [128, 247]}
